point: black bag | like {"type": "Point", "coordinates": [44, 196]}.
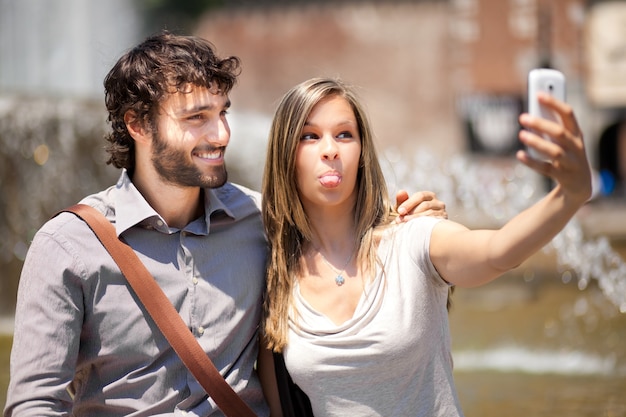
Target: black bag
{"type": "Point", "coordinates": [293, 401]}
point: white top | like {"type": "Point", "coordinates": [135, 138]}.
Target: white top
{"type": "Point", "coordinates": [393, 357]}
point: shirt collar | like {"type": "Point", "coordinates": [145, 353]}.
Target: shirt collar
{"type": "Point", "coordinates": [213, 203]}
{"type": "Point", "coordinates": [132, 208]}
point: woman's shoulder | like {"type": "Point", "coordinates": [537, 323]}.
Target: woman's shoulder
{"type": "Point", "coordinates": [418, 226]}
{"type": "Point", "coordinates": [411, 235]}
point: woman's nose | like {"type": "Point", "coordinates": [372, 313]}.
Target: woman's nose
{"type": "Point", "coordinates": [329, 147]}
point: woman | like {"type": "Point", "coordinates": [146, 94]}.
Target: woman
{"type": "Point", "coordinates": [357, 302]}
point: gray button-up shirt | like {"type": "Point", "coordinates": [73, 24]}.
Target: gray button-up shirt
{"type": "Point", "coordinates": [84, 347]}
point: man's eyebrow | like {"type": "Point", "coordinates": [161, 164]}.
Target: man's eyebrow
{"type": "Point", "coordinates": [196, 109]}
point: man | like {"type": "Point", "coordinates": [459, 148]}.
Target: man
{"type": "Point", "coordinates": [82, 344]}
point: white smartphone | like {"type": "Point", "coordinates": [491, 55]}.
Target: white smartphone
{"type": "Point", "coordinates": [549, 81]}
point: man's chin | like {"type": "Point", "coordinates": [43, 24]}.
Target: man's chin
{"type": "Point", "coordinates": [214, 181]}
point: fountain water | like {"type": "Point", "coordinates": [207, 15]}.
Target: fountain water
{"type": "Point", "coordinates": [52, 155]}
{"type": "Point", "coordinates": [525, 345]}
{"type": "Point", "coordinates": [494, 192]}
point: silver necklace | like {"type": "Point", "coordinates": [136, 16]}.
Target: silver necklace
{"type": "Point", "coordinates": [339, 279]}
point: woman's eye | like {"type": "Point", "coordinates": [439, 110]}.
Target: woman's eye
{"type": "Point", "coordinates": [308, 136]}
{"type": "Point", "coordinates": [345, 135]}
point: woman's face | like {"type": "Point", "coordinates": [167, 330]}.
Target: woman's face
{"type": "Point", "coordinates": [328, 155]}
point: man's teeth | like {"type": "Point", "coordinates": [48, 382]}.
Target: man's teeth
{"type": "Point", "coordinates": [209, 155]}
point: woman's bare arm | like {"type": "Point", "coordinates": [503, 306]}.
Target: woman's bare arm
{"type": "Point", "coordinates": [471, 258]}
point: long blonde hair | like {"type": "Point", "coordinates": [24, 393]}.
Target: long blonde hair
{"type": "Point", "coordinates": [286, 224]}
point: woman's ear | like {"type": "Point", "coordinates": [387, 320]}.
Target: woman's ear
{"type": "Point", "coordinates": [136, 127]}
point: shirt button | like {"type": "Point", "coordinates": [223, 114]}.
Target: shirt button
{"type": "Point", "coordinates": [195, 281]}
{"type": "Point", "coordinates": [159, 222]}
{"type": "Point", "coordinates": [200, 330]}
{"type": "Point", "coordinates": [183, 412]}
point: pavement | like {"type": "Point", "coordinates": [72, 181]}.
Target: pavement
{"type": "Point", "coordinates": [6, 325]}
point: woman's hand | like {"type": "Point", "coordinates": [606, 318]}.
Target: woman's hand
{"type": "Point", "coordinates": [567, 161]}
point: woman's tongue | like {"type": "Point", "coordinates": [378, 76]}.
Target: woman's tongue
{"type": "Point", "coordinates": [330, 180]}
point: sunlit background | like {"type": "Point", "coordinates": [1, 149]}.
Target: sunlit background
{"type": "Point", "coordinates": [444, 82]}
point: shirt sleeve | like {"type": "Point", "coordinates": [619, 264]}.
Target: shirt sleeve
{"type": "Point", "coordinates": [420, 231]}
{"type": "Point", "coordinates": [48, 321]}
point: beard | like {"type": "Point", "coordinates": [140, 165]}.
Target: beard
{"type": "Point", "coordinates": [174, 167]}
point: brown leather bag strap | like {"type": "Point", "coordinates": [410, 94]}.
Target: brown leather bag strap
{"type": "Point", "coordinates": [164, 314]}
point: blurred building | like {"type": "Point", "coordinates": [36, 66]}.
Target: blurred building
{"type": "Point", "coordinates": [62, 47]}
{"type": "Point", "coordinates": [481, 51]}
{"type": "Point", "coordinates": [447, 75]}
{"type": "Point", "coordinates": [605, 53]}
{"type": "Point", "coordinates": [497, 42]}
{"type": "Point", "coordinates": [54, 55]}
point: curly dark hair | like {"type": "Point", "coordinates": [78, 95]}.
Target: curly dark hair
{"type": "Point", "coordinates": [142, 77]}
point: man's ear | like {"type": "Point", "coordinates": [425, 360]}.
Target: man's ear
{"type": "Point", "coordinates": [136, 127]}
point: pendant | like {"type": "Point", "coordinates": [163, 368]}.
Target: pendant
{"type": "Point", "coordinates": [339, 280]}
